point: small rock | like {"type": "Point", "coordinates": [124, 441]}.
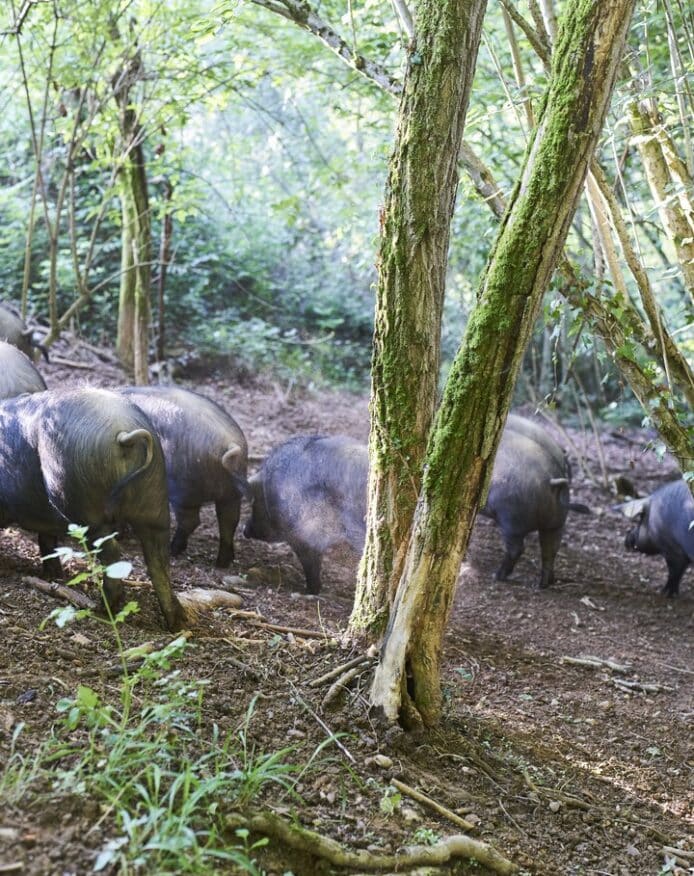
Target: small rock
{"type": "Point", "coordinates": [472, 817]}
{"type": "Point", "coordinates": [410, 815]}
{"type": "Point", "coordinates": [633, 851]}
{"type": "Point", "coordinates": [232, 581]}
{"type": "Point", "coordinates": [27, 697]}
{"type": "Point", "coordinates": [383, 761]}
{"type": "Point", "coordinates": [554, 805]}
{"type": "Point", "coordinates": [9, 834]}
{"type": "Point", "coordinates": [295, 733]}
{"type": "Point", "coordinates": [80, 639]}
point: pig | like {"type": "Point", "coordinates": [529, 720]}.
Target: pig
{"type": "Point", "coordinates": [87, 456]}
{"type": "Point", "coordinates": [664, 525]}
{"type": "Point", "coordinates": [18, 373]}
{"type": "Point", "coordinates": [14, 331]}
{"type": "Point", "coordinates": [206, 459]}
{"type": "Point", "coordinates": [310, 492]}
{"type": "Point", "coordinates": [528, 491]}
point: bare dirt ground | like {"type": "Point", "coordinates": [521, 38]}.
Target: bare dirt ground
{"type": "Point", "coordinates": [564, 768]}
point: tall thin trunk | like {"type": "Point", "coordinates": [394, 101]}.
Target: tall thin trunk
{"type": "Point", "coordinates": [478, 391]}
{"type": "Point", "coordinates": [419, 202]}
{"type": "Point", "coordinates": [647, 126]}
{"type": "Point", "coordinates": [164, 259]}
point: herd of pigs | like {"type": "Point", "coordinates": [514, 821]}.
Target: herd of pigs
{"type": "Point", "coordinates": [106, 459]}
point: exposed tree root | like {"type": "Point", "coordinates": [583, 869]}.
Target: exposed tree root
{"type": "Point", "coordinates": [312, 843]}
{"type": "Point", "coordinates": [432, 804]}
{"type": "Point", "coordinates": [60, 591]}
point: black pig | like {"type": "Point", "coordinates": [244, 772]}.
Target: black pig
{"type": "Point", "coordinates": [528, 491]}
{"type": "Point", "coordinates": [14, 330]}
{"type": "Point", "coordinates": [206, 460]}
{"type": "Point", "coordinates": [91, 457]}
{"type": "Point", "coordinates": [664, 525]}
{"type": "Point", "coordinates": [18, 373]}
{"type": "Point", "coordinates": [311, 493]}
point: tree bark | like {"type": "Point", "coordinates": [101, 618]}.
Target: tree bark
{"type": "Point", "coordinates": [478, 391]}
{"type": "Point", "coordinates": [164, 259]}
{"type": "Point", "coordinates": [132, 343]}
{"type": "Point", "coordinates": [415, 223]}
{"type": "Point", "coordinates": [663, 167]}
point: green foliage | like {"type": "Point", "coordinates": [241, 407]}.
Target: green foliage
{"type": "Point", "coordinates": [164, 781]}
{"type": "Point", "coordinates": [276, 153]}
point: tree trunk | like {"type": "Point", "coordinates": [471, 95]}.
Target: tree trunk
{"type": "Point", "coordinates": [164, 259]}
{"type": "Point", "coordinates": [134, 302]}
{"type": "Point", "coordinates": [478, 392]}
{"type": "Point", "coordinates": [666, 172]}
{"type": "Point", "coordinates": [419, 202]}
{"type": "Point", "coordinates": [132, 343]}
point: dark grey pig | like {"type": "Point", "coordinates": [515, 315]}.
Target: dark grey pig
{"type": "Point", "coordinates": [664, 525]}
{"type": "Point", "coordinates": [18, 374]}
{"type": "Point", "coordinates": [14, 330]}
{"type": "Point", "coordinates": [206, 460]}
{"type": "Point", "coordinates": [87, 456]}
{"type": "Point", "coordinates": [311, 493]}
{"type": "Point", "coordinates": [529, 491]}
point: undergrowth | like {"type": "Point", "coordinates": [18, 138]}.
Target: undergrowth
{"type": "Point", "coordinates": [164, 782]}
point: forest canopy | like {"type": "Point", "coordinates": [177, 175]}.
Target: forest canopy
{"type": "Point", "coordinates": [268, 153]}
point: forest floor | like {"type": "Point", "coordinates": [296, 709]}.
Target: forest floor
{"type": "Point", "coordinates": [564, 768]}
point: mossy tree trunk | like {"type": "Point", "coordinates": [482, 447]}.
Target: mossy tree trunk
{"type": "Point", "coordinates": [132, 343]}
{"type": "Point", "coordinates": [478, 391]}
{"type": "Point", "coordinates": [419, 202]}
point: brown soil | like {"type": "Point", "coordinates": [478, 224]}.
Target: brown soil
{"type": "Point", "coordinates": [559, 767]}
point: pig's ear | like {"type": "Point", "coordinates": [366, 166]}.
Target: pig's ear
{"type": "Point", "coordinates": [633, 509]}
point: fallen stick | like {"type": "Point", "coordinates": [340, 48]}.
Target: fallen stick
{"type": "Point", "coordinates": [643, 686]}
{"type": "Point", "coordinates": [241, 666]}
{"type": "Point", "coordinates": [323, 725]}
{"type": "Point", "coordinates": [432, 804]}
{"type": "Point", "coordinates": [60, 591]}
{"type": "Point", "coordinates": [338, 686]}
{"type": "Point", "coordinates": [312, 843]}
{"type": "Point", "coordinates": [357, 661]}
{"type": "Point", "coordinates": [70, 363]}
{"type": "Point", "coordinates": [295, 631]}
{"type": "Point", "coordinates": [596, 663]}
{"type": "Point", "coordinates": [540, 790]}
{"type": "Point", "coordinates": [684, 855]}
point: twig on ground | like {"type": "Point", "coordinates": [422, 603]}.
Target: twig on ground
{"type": "Point", "coordinates": [592, 662]}
{"type": "Point", "coordinates": [310, 842]}
{"type": "Point", "coordinates": [338, 686]}
{"type": "Point", "coordinates": [322, 724]}
{"type": "Point", "coordinates": [357, 661]}
{"type": "Point", "coordinates": [643, 686]}
{"type": "Point", "coordinates": [511, 818]}
{"type": "Point", "coordinates": [553, 793]}
{"type": "Point", "coordinates": [70, 363]}
{"type": "Point", "coordinates": [243, 667]}
{"type": "Point", "coordinates": [60, 591]}
{"type": "Point", "coordinates": [295, 631]}
{"type": "Point", "coordinates": [683, 857]}
{"type": "Point", "coordinates": [432, 804]}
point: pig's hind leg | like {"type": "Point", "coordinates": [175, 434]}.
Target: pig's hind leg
{"type": "Point", "coordinates": [228, 513]}
{"type": "Point", "coordinates": [187, 520]}
{"type": "Point", "coordinates": [513, 544]}
{"type": "Point", "coordinates": [676, 567]}
{"type": "Point", "coordinates": [310, 559]}
{"type": "Point", "coordinates": [550, 539]}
